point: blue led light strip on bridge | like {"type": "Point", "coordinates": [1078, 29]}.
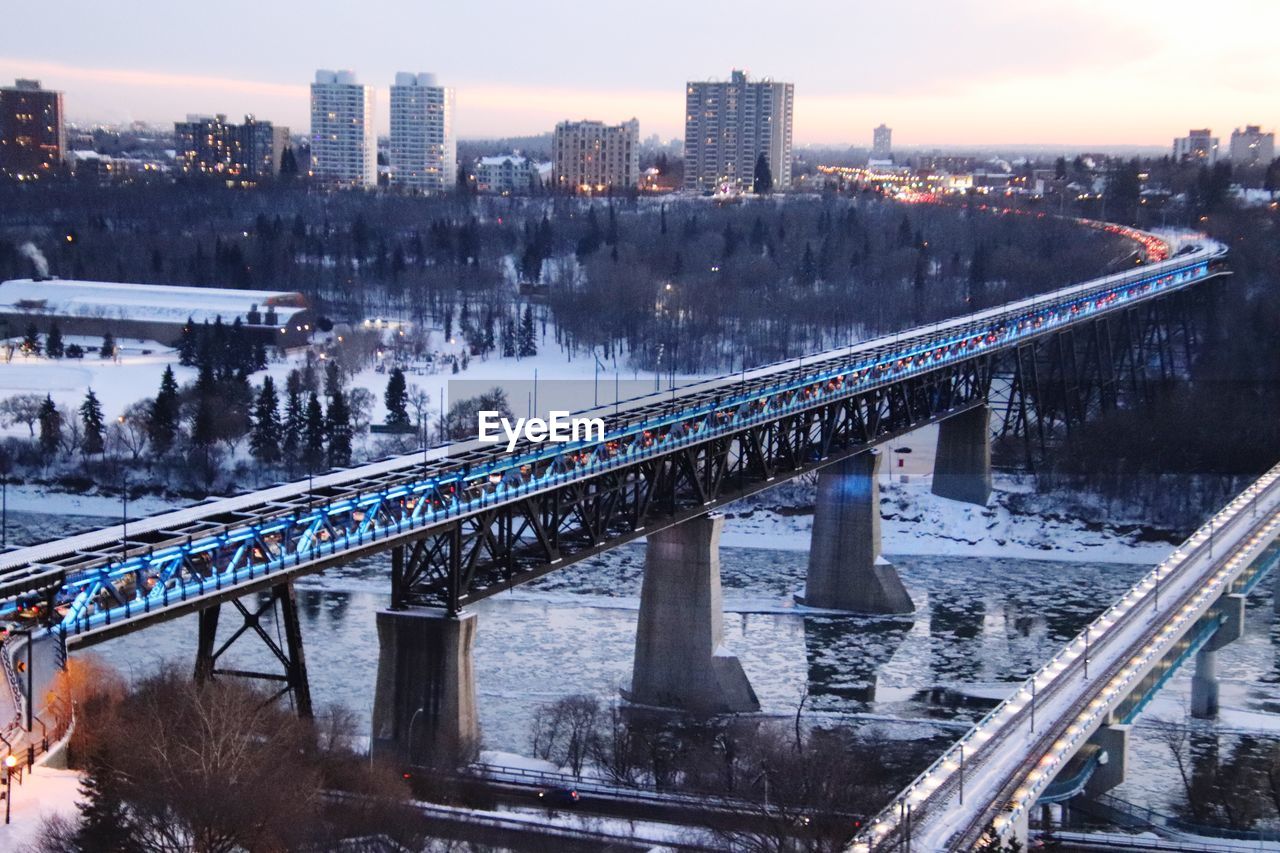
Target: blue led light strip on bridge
{"type": "Point", "coordinates": [318, 538]}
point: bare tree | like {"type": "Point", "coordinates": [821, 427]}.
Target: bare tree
{"type": "Point", "coordinates": [22, 409]}
{"type": "Point", "coordinates": [130, 430]}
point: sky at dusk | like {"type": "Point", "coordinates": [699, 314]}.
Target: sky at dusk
{"type": "Point", "coordinates": [947, 72]}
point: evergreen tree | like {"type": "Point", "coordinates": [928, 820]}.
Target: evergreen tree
{"type": "Point", "coordinates": [294, 417]}
{"type": "Point", "coordinates": [904, 232]}
{"type": "Point", "coordinates": [288, 163]}
{"type": "Point", "coordinates": [487, 342]}
{"type": "Point", "coordinates": [508, 339]}
{"type": "Point", "coordinates": [332, 379]}
{"type": "Point", "coordinates": [528, 340]}
{"type": "Point", "coordinates": [265, 439]}
{"type": "Point", "coordinates": [313, 451]}
{"type": "Point", "coordinates": [108, 349]}
{"type": "Point", "coordinates": [339, 424]}
{"type": "Point", "coordinates": [91, 419]}
{"type": "Point", "coordinates": [31, 340]}
{"type": "Point", "coordinates": [762, 180]}
{"type": "Point", "coordinates": [105, 824]}
{"type": "Point", "coordinates": [162, 426]}
{"type": "Point", "coordinates": [203, 423]}
{"type": "Point", "coordinates": [978, 269]}
{"type": "Point", "coordinates": [50, 427]}
{"type": "Point", "coordinates": [396, 398]}
{"type": "Point", "coordinates": [808, 266]}
{"type": "Point", "coordinates": [53, 346]}
{"type": "Point", "coordinates": [188, 344]}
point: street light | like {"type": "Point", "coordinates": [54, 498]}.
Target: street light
{"type": "Point", "coordinates": [124, 513]}
{"type": "Point", "coordinates": [10, 762]}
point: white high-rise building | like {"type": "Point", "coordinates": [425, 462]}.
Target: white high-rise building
{"type": "Point", "coordinates": [344, 147]}
{"type": "Point", "coordinates": [1252, 147]}
{"type": "Point", "coordinates": [882, 143]}
{"type": "Point", "coordinates": [424, 150]}
{"type": "Point", "coordinates": [1198, 146]}
{"type": "Point", "coordinates": [729, 124]}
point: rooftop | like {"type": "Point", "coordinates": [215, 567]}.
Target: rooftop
{"type": "Point", "coordinates": [150, 302]}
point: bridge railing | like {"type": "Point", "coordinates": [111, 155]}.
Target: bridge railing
{"type": "Point", "coordinates": [85, 614]}
{"type": "Point", "coordinates": [946, 766]}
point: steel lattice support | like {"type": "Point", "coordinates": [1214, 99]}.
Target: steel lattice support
{"type": "Point", "coordinates": [1043, 389]}
{"type": "Point", "coordinates": [293, 675]}
{"type": "Point", "coordinates": [487, 552]}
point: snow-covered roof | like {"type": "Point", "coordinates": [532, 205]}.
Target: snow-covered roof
{"type": "Point", "coordinates": [146, 302]}
{"type": "Point", "coordinates": [502, 160]}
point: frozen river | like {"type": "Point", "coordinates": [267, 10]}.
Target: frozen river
{"type": "Point", "coordinates": [981, 625]}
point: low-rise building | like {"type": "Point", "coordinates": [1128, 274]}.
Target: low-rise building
{"type": "Point", "coordinates": [153, 312]}
{"type": "Point", "coordinates": [592, 157]}
{"type": "Point", "coordinates": [507, 174]}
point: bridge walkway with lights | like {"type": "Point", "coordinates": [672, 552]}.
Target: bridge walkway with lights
{"type": "Point", "coordinates": [1088, 693]}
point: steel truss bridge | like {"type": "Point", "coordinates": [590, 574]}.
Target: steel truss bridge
{"type": "Point", "coordinates": [468, 520]}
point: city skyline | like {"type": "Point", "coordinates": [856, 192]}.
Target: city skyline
{"type": "Point", "coordinates": [1080, 72]}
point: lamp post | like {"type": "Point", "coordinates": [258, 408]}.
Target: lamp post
{"type": "Point", "coordinates": [124, 516]}
{"type": "Point", "coordinates": [4, 512]}
{"type": "Point", "coordinates": [10, 762]}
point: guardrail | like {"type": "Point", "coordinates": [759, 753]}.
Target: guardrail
{"type": "Point", "coordinates": [947, 765]}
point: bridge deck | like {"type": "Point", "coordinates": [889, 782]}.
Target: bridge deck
{"type": "Point", "coordinates": [105, 576]}
{"type": "Point", "coordinates": [998, 770]}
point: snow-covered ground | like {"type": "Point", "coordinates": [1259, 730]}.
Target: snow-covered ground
{"type": "Point", "coordinates": [42, 793]}
{"type": "Point", "coordinates": [917, 522]}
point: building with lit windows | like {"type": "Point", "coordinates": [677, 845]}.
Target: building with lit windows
{"type": "Point", "coordinates": [33, 141]}
{"type": "Point", "coordinates": [1252, 147]}
{"type": "Point", "coordinates": [262, 147]}
{"type": "Point", "coordinates": [1198, 146]}
{"type": "Point", "coordinates": [210, 145]}
{"type": "Point", "coordinates": [344, 148]}
{"type": "Point", "coordinates": [424, 151]}
{"type": "Point", "coordinates": [507, 174]}
{"type": "Point", "coordinates": [592, 157]}
{"type": "Point", "coordinates": [728, 125]}
{"type": "Point", "coordinates": [882, 143]}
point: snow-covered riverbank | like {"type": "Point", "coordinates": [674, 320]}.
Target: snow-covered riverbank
{"type": "Point", "coordinates": [1014, 524]}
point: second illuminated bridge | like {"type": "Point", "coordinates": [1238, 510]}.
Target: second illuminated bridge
{"type": "Point", "coordinates": [468, 520]}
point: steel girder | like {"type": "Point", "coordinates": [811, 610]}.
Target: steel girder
{"type": "Point", "coordinates": [1044, 388]}
{"type": "Point", "coordinates": [506, 545]}
{"type": "Point", "coordinates": [292, 677]}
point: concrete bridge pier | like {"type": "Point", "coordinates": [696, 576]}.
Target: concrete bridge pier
{"type": "Point", "coordinates": [424, 706]}
{"type": "Point", "coordinates": [1113, 739]}
{"type": "Point", "coordinates": [1204, 683]}
{"type": "Point", "coordinates": [846, 570]}
{"type": "Point", "coordinates": [962, 466]}
{"type": "Point", "coordinates": [680, 660]}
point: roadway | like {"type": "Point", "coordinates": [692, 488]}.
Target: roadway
{"type": "Point", "coordinates": [995, 773]}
